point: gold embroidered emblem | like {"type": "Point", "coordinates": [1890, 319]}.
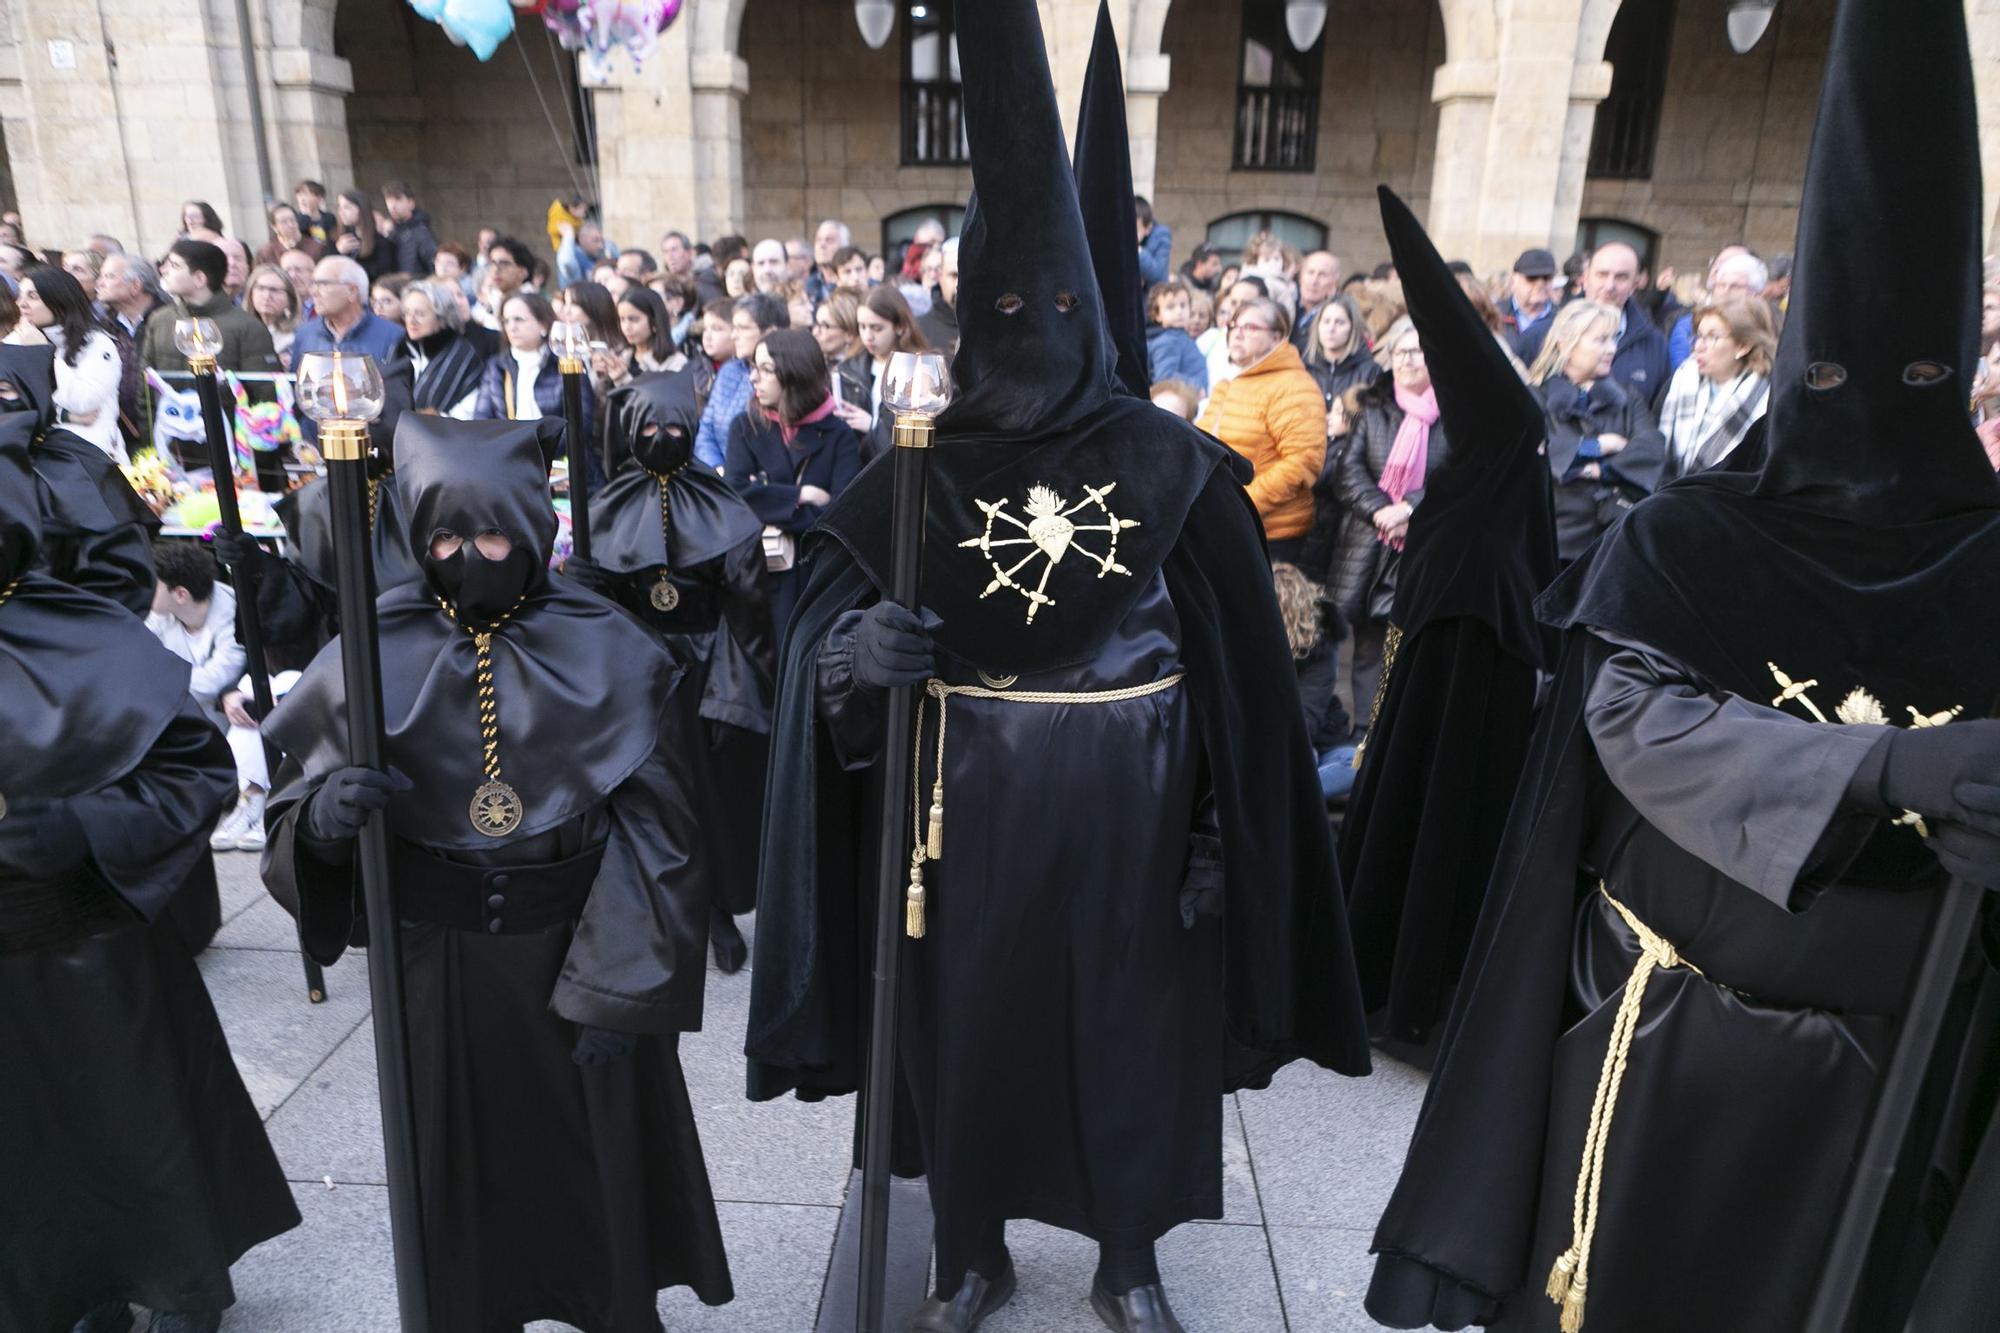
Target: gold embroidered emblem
{"type": "Point", "coordinates": [1051, 532]}
{"type": "Point", "coordinates": [1859, 709]}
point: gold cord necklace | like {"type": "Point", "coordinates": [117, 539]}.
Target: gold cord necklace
{"type": "Point", "coordinates": [664, 595]}
{"type": "Point", "coordinates": [496, 808]}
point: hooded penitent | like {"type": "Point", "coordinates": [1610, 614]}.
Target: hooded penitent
{"type": "Point", "coordinates": [549, 647]}
{"type": "Point", "coordinates": [1853, 548]}
{"type": "Point", "coordinates": [1077, 539]}
{"type": "Point", "coordinates": [657, 512]}
{"type": "Point", "coordinates": [1457, 698]}
{"type": "Point", "coordinates": [1104, 192]}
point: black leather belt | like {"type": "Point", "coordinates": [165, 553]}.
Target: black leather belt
{"type": "Point", "coordinates": [493, 900]}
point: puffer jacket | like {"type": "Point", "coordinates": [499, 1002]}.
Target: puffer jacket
{"type": "Point", "coordinates": [1350, 493]}
{"type": "Point", "coordinates": [1272, 414]}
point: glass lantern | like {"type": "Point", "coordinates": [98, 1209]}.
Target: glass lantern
{"type": "Point", "coordinates": [570, 340]}
{"type": "Point", "coordinates": [916, 384]}
{"type": "Point", "coordinates": [199, 340]}
{"type": "Point", "coordinates": [343, 392]}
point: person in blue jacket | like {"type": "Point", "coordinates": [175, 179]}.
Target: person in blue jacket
{"type": "Point", "coordinates": [1171, 353]}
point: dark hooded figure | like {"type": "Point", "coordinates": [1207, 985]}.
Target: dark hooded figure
{"type": "Point", "coordinates": [1104, 196]}
{"type": "Point", "coordinates": [1710, 899]}
{"type": "Point", "coordinates": [678, 548]}
{"type": "Point", "coordinates": [1457, 695]}
{"type": "Point", "coordinates": [138, 1170]}
{"type": "Point", "coordinates": [553, 935]}
{"type": "Point", "coordinates": [97, 534]}
{"type": "Point", "coordinates": [1124, 887]}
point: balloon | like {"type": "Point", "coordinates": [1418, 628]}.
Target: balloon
{"type": "Point", "coordinates": [478, 24]}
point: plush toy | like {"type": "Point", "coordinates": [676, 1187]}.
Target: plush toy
{"type": "Point", "coordinates": [263, 427]}
{"type": "Point", "coordinates": [178, 417]}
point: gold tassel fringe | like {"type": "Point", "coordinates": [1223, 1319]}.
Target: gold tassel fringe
{"type": "Point", "coordinates": [1560, 1275]}
{"type": "Point", "coordinates": [934, 842]}
{"type": "Point", "coordinates": [913, 907]}
{"type": "Point", "coordinates": [1572, 1315]}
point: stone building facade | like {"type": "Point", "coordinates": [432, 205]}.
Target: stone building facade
{"type": "Point", "coordinates": [762, 116]}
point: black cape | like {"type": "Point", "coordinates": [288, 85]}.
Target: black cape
{"type": "Point", "coordinates": [1445, 749]}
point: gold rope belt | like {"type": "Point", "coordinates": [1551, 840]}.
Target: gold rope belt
{"type": "Point", "coordinates": [1569, 1278]}
{"type": "Point", "coordinates": [1391, 641]}
{"type": "Point", "coordinates": [930, 845]}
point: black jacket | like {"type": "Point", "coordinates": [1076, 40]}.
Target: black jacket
{"type": "Point", "coordinates": [1585, 507]}
{"type": "Point", "coordinates": [1342, 541]}
{"type": "Point", "coordinates": [414, 245]}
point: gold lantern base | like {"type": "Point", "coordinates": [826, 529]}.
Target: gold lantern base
{"type": "Point", "coordinates": [343, 441]}
{"type": "Point", "coordinates": [915, 430]}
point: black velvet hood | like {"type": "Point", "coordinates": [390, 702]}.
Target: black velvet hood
{"type": "Point", "coordinates": [1857, 540]}
{"type": "Point", "coordinates": [32, 373]}
{"type": "Point", "coordinates": [566, 739]}
{"type": "Point", "coordinates": [1104, 191]}
{"type": "Point", "coordinates": [1036, 420]}
{"type": "Point", "coordinates": [648, 444]}
{"type": "Point", "coordinates": [1482, 543]}
{"type": "Point", "coordinates": [68, 731]}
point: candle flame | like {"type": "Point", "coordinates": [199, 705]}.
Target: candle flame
{"type": "Point", "coordinates": [339, 387]}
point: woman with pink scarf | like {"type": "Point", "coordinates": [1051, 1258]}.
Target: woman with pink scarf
{"type": "Point", "coordinates": [1395, 443]}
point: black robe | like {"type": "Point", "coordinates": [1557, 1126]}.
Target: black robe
{"type": "Point", "coordinates": [549, 1191]}
{"type": "Point", "coordinates": [97, 534]}
{"type": "Point", "coordinates": [140, 1169]}
{"type": "Point", "coordinates": [1033, 1008]}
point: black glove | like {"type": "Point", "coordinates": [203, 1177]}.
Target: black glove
{"type": "Point", "coordinates": [237, 550]}
{"type": "Point", "coordinates": [1937, 771]}
{"type": "Point", "coordinates": [343, 803]}
{"type": "Point", "coordinates": [1970, 854]}
{"type": "Point", "coordinates": [42, 839]}
{"type": "Point", "coordinates": [587, 574]}
{"type": "Point", "coordinates": [601, 1046]}
{"type": "Point", "coordinates": [892, 646]}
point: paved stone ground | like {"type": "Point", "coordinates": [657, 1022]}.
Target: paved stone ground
{"type": "Point", "coordinates": [1308, 1166]}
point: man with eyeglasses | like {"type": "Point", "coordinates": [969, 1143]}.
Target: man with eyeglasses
{"type": "Point", "coordinates": [344, 322]}
{"type": "Point", "coordinates": [1270, 411]}
{"type": "Point", "coordinates": [509, 266]}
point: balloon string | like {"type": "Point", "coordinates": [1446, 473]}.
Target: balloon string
{"type": "Point", "coordinates": [554, 132]}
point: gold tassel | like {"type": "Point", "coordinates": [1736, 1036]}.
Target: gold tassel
{"type": "Point", "coordinates": [1572, 1315]}
{"type": "Point", "coordinates": [1559, 1276]}
{"type": "Point", "coordinates": [934, 842]}
{"type": "Point", "coordinates": [913, 908]}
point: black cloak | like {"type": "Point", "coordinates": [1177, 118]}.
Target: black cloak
{"type": "Point", "coordinates": [660, 518]}
{"type": "Point", "coordinates": [1457, 699]}
{"type": "Point", "coordinates": [1104, 193]}
{"type": "Point", "coordinates": [106, 1012]}
{"type": "Point", "coordinates": [97, 533]}
{"type": "Point", "coordinates": [549, 1191]}
{"type": "Point", "coordinates": [1037, 419]}
{"type": "Point", "coordinates": [1854, 549]}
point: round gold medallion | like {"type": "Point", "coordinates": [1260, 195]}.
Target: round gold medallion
{"type": "Point", "coordinates": [496, 809]}
{"type": "Point", "coordinates": [665, 596]}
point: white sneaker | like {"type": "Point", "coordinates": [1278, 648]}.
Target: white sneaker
{"type": "Point", "coordinates": [224, 837]}
{"type": "Point", "coordinates": [250, 834]}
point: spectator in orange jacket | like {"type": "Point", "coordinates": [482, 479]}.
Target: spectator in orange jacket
{"type": "Point", "coordinates": [1270, 411]}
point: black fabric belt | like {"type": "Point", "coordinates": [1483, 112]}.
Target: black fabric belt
{"type": "Point", "coordinates": [493, 900]}
{"type": "Point", "coordinates": [52, 913]}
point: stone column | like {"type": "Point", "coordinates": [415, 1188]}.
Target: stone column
{"type": "Point", "coordinates": [305, 102]}
{"type": "Point", "coordinates": [1148, 73]}
{"type": "Point", "coordinates": [718, 81]}
{"type": "Point", "coordinates": [647, 146]}
{"type": "Point", "coordinates": [1982, 21]}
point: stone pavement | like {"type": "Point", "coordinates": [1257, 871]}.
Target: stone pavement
{"type": "Point", "coordinates": [1308, 1165]}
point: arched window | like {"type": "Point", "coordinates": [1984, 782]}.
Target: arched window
{"type": "Point", "coordinates": [898, 228]}
{"type": "Point", "coordinates": [1230, 234]}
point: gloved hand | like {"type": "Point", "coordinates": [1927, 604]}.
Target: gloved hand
{"type": "Point", "coordinates": [892, 646]}
{"type": "Point", "coordinates": [236, 550]}
{"type": "Point", "coordinates": [343, 803]}
{"type": "Point", "coordinates": [586, 574]}
{"type": "Point", "coordinates": [1971, 854]}
{"type": "Point", "coordinates": [42, 839]}
{"type": "Point", "coordinates": [1932, 770]}
{"type": "Point", "coordinates": [601, 1046]}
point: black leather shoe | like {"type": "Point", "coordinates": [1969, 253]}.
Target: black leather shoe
{"type": "Point", "coordinates": [977, 1297]}
{"type": "Point", "coordinates": [185, 1323]}
{"type": "Point", "coordinates": [731, 951]}
{"type": "Point", "coordinates": [1140, 1310]}
{"type": "Point", "coordinates": [115, 1317]}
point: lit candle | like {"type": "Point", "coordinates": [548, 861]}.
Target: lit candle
{"type": "Point", "coordinates": [339, 387]}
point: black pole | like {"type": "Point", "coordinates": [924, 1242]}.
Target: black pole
{"type": "Point", "coordinates": [906, 551]}
{"type": "Point", "coordinates": [1895, 1104]}
{"type": "Point", "coordinates": [243, 582]}
{"type": "Point", "coordinates": [579, 476]}
{"type": "Point", "coordinates": [344, 446]}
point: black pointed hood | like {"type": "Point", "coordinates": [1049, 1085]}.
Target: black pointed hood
{"type": "Point", "coordinates": [1035, 355]}
{"type": "Point", "coordinates": [648, 449]}
{"type": "Point", "coordinates": [1894, 171]}
{"type": "Point", "coordinates": [1856, 540]}
{"type": "Point", "coordinates": [470, 477]}
{"type": "Point", "coordinates": [1482, 543]}
{"type": "Point", "coordinates": [1104, 191]}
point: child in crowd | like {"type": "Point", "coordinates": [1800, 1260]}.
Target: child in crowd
{"type": "Point", "coordinates": [1170, 351]}
{"type": "Point", "coordinates": [1313, 629]}
{"type": "Point", "coordinates": [1177, 396]}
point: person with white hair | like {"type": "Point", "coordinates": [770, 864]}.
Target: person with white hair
{"type": "Point", "coordinates": [342, 321]}
{"type": "Point", "coordinates": [940, 322]}
{"type": "Point", "coordinates": [829, 239]}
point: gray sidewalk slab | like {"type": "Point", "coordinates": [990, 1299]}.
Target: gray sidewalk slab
{"type": "Point", "coordinates": [1307, 1165]}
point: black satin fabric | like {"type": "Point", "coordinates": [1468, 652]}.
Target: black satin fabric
{"type": "Point", "coordinates": [651, 435]}
{"type": "Point", "coordinates": [97, 534]}
{"type": "Point", "coordinates": [149, 1172]}
{"type": "Point", "coordinates": [307, 514]}
{"type": "Point", "coordinates": [1104, 197]}
{"type": "Point", "coordinates": [549, 1191]}
{"type": "Point", "coordinates": [1425, 819]}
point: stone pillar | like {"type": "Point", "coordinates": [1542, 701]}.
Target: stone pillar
{"type": "Point", "coordinates": [718, 81]}
{"type": "Point", "coordinates": [1148, 73]}
{"type": "Point", "coordinates": [1982, 21]}
{"type": "Point", "coordinates": [305, 101]}
{"type": "Point", "coordinates": [647, 147]}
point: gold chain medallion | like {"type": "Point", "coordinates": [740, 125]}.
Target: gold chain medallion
{"type": "Point", "coordinates": [665, 596]}
{"type": "Point", "coordinates": [1050, 532]}
{"type": "Point", "coordinates": [496, 808]}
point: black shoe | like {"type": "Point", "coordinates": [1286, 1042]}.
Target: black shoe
{"type": "Point", "coordinates": [731, 953]}
{"type": "Point", "coordinates": [185, 1323]}
{"type": "Point", "coordinates": [1140, 1310]}
{"type": "Point", "coordinates": [976, 1299]}
{"type": "Point", "coordinates": [114, 1317]}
